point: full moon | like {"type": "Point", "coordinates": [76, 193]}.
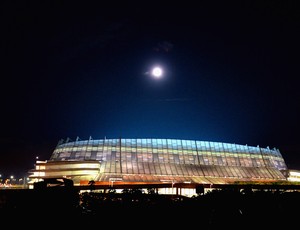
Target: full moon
{"type": "Point", "coordinates": [157, 72]}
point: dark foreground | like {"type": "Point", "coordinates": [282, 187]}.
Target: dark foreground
{"type": "Point", "coordinates": [220, 209]}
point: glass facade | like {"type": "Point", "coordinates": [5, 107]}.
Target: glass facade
{"type": "Point", "coordinates": [159, 160]}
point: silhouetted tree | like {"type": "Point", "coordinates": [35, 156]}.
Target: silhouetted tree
{"type": "Point", "coordinates": [92, 185]}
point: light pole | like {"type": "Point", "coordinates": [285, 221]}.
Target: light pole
{"type": "Point", "coordinates": [173, 186]}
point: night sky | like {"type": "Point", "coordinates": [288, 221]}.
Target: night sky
{"type": "Point", "coordinates": [71, 70]}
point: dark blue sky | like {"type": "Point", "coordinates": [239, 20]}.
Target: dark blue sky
{"type": "Point", "coordinates": [80, 69]}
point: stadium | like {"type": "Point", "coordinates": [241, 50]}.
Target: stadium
{"type": "Point", "coordinates": [170, 165]}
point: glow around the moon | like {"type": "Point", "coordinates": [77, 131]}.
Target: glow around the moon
{"type": "Point", "coordinates": [157, 72]}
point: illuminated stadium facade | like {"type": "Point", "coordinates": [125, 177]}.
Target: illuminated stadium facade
{"type": "Point", "coordinates": [160, 162]}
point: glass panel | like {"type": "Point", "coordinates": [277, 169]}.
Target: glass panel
{"type": "Point", "coordinates": [163, 169]}
{"type": "Point", "coordinates": [112, 167]}
{"type": "Point", "coordinates": [179, 169]}
{"type": "Point", "coordinates": [195, 170]}
{"type": "Point", "coordinates": [146, 168]}
{"type": "Point", "coordinates": [189, 170]}
{"type": "Point", "coordinates": [135, 168]}
{"type": "Point", "coordinates": [168, 169]}
{"type": "Point", "coordinates": [157, 168]}
{"type": "Point", "coordinates": [227, 171]}
{"type": "Point", "coordinates": [140, 168]}
{"type": "Point", "coordinates": [220, 171]}
{"type": "Point", "coordinates": [173, 169]}
{"type": "Point", "coordinates": [152, 169]}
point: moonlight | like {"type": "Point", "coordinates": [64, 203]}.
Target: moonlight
{"type": "Point", "coordinates": [157, 72]}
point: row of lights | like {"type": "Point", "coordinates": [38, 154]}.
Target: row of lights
{"type": "Point", "coordinates": [13, 181]}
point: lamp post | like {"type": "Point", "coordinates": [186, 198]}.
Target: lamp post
{"type": "Point", "coordinates": [173, 186]}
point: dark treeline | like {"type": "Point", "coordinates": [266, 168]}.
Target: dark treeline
{"type": "Point", "coordinates": [218, 208]}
